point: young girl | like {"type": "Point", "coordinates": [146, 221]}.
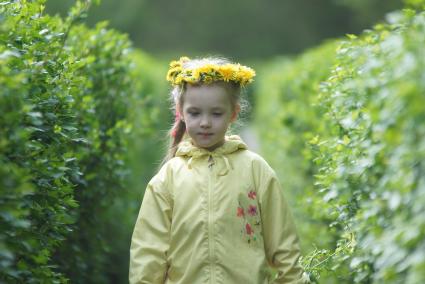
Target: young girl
{"type": "Point", "coordinates": [215, 211]}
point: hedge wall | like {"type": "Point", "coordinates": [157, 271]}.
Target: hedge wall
{"type": "Point", "coordinates": [70, 102]}
{"type": "Point", "coordinates": [372, 171]}
{"type": "Point", "coordinates": [358, 115]}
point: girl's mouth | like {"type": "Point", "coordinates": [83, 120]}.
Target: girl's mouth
{"type": "Point", "coordinates": [205, 134]}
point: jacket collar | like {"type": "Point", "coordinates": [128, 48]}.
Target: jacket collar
{"type": "Point", "coordinates": [231, 144]}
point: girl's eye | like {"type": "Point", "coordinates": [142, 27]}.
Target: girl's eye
{"type": "Point", "coordinates": [217, 113]}
{"type": "Point", "coordinates": [193, 113]}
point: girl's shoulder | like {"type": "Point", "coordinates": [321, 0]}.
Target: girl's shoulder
{"type": "Point", "coordinates": [168, 170]}
{"type": "Point", "coordinates": [252, 162]}
{"type": "Point", "coordinates": [255, 159]}
{"type": "Point", "coordinates": [163, 174]}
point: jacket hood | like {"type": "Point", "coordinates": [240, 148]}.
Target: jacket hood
{"type": "Point", "coordinates": [231, 144]}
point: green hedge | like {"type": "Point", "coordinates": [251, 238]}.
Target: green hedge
{"type": "Point", "coordinates": [73, 101]}
{"type": "Point", "coordinates": [38, 133]}
{"type": "Point", "coordinates": [354, 119]}
{"type": "Point", "coordinates": [372, 171]}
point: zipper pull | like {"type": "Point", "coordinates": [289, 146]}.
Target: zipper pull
{"type": "Point", "coordinates": [210, 162]}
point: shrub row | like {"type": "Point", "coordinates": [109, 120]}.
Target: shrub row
{"type": "Point", "coordinates": [70, 103]}
{"type": "Point", "coordinates": [372, 171]}
{"type": "Point", "coordinates": [358, 115]}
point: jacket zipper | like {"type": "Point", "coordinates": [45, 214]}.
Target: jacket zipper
{"type": "Point", "coordinates": [211, 220]}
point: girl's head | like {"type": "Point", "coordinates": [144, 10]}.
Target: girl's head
{"type": "Point", "coordinates": [206, 112]}
{"type": "Point", "coordinates": [206, 98]}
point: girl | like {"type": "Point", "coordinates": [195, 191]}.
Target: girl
{"type": "Point", "coordinates": [215, 212]}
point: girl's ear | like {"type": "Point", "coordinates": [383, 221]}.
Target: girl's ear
{"type": "Point", "coordinates": [235, 113]}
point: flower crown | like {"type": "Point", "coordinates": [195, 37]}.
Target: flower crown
{"type": "Point", "coordinates": [208, 73]}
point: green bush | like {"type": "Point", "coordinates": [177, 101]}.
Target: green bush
{"type": "Point", "coordinates": [38, 132]}
{"type": "Point", "coordinates": [360, 110]}
{"type": "Point", "coordinates": [76, 104]}
{"type": "Point", "coordinates": [104, 120]}
{"type": "Point", "coordinates": [372, 169]}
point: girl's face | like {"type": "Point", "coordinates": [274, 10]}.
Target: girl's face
{"type": "Point", "coordinates": [207, 112]}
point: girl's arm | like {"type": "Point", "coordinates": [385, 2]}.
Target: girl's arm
{"type": "Point", "coordinates": [150, 240]}
{"type": "Point", "coordinates": [280, 236]}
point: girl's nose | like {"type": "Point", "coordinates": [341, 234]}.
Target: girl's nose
{"type": "Point", "coordinates": [205, 121]}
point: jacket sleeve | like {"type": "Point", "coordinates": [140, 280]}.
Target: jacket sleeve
{"type": "Point", "coordinates": [279, 232]}
{"type": "Point", "coordinates": [150, 239]}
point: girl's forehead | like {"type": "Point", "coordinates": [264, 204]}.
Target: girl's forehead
{"type": "Point", "coordinates": [206, 95]}
{"type": "Point", "coordinates": [206, 88]}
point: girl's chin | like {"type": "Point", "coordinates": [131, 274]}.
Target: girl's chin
{"type": "Point", "coordinates": [210, 146]}
{"type": "Point", "coordinates": [202, 144]}
{"type": "Point", "coordinates": [208, 142]}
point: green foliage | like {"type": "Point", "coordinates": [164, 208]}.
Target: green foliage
{"type": "Point", "coordinates": [360, 110]}
{"type": "Point", "coordinates": [371, 170]}
{"type": "Point", "coordinates": [38, 133]}
{"type": "Point", "coordinates": [70, 104]}
{"type": "Point", "coordinates": [101, 113]}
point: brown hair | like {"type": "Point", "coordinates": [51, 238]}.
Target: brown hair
{"type": "Point", "coordinates": [178, 129]}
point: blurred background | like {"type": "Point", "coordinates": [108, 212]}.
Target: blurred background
{"type": "Point", "coordinates": [238, 29]}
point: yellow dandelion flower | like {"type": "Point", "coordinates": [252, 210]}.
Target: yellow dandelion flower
{"type": "Point", "coordinates": [196, 74]}
{"type": "Point", "coordinates": [206, 68]}
{"type": "Point", "coordinates": [227, 72]}
{"type": "Point", "coordinates": [170, 76]}
{"type": "Point", "coordinates": [175, 64]}
{"type": "Point", "coordinates": [246, 74]}
{"type": "Point", "coordinates": [178, 80]}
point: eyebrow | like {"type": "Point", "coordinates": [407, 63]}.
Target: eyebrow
{"type": "Point", "coordinates": [196, 108]}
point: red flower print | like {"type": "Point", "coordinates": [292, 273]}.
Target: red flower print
{"type": "Point", "coordinates": [252, 194]}
{"type": "Point", "coordinates": [240, 212]}
{"type": "Point", "coordinates": [252, 210]}
{"type": "Point", "coordinates": [248, 228]}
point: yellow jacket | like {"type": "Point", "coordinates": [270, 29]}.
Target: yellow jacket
{"type": "Point", "coordinates": [214, 217]}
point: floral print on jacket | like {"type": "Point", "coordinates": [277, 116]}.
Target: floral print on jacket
{"type": "Point", "coordinates": [247, 211]}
